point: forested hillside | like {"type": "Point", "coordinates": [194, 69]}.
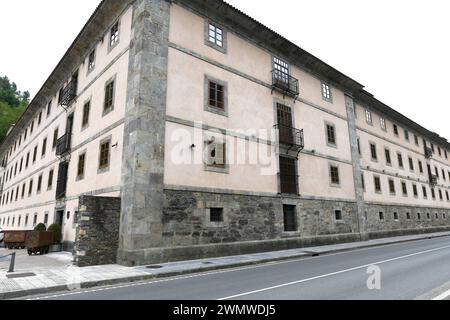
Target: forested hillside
{"type": "Point", "coordinates": [12, 104]}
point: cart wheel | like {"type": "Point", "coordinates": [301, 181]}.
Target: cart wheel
{"type": "Point", "coordinates": [41, 252]}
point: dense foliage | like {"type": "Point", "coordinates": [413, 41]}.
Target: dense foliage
{"type": "Point", "coordinates": [12, 104]}
{"type": "Point", "coordinates": [57, 233]}
{"type": "Point", "coordinates": [40, 227]}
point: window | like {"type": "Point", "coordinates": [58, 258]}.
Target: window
{"type": "Point", "coordinates": [50, 180]}
{"type": "Point", "coordinates": [419, 216]}
{"type": "Point", "coordinates": [433, 193]}
{"type": "Point", "coordinates": [331, 135]}
{"type": "Point", "coordinates": [290, 218]}
{"type": "Point", "coordinates": [406, 135]}
{"type": "Point", "coordinates": [86, 111]}
{"type": "Point", "coordinates": [363, 182]}
{"type": "Point", "coordinates": [395, 216]}
{"type": "Point", "coordinates": [39, 184]}
{"type": "Point", "coordinates": [55, 138]}
{"type": "Point", "coordinates": [400, 160]}
{"type": "Point", "coordinates": [383, 124]}
{"type": "Point", "coordinates": [326, 92]}
{"type": "Point", "coordinates": [391, 186]}
{"type": "Point", "coordinates": [428, 216]}
{"type": "Point", "coordinates": [439, 151]}
{"type": "Point", "coordinates": [388, 157]}
{"type": "Point", "coordinates": [420, 166]}
{"type": "Point", "coordinates": [281, 71]}
{"type": "Point", "coordinates": [408, 216]}
{"type": "Point", "coordinates": [416, 194]}
{"type": "Point", "coordinates": [35, 153]}
{"type": "Point", "coordinates": [216, 154]}
{"type": "Point", "coordinates": [447, 195]}
{"type": "Point", "coordinates": [39, 118]}
{"type": "Point", "coordinates": [23, 190]}
{"type": "Point", "coordinates": [373, 151]}
{"type": "Point", "coordinates": [35, 219]}
{"type": "Point", "coordinates": [27, 160]}
{"type": "Point", "coordinates": [109, 97]}
{"type": "Point", "coordinates": [30, 188]}
{"type": "Point", "coordinates": [104, 155]}
{"type": "Point", "coordinates": [114, 35]}
{"type": "Point", "coordinates": [32, 126]}
{"type": "Point", "coordinates": [216, 95]}
{"type": "Point", "coordinates": [359, 146]}
{"type": "Point", "coordinates": [46, 218]}
{"type": "Point", "coordinates": [432, 147]}
{"type": "Point", "coordinates": [404, 189]}
{"type": "Point", "coordinates": [395, 129]}
{"type": "Point", "coordinates": [334, 174]}
{"type": "Point", "coordinates": [215, 35]}
{"type": "Point", "coordinates": [81, 165]}
{"type": "Point", "coordinates": [44, 147]}
{"type": "Point", "coordinates": [91, 60]}
{"type": "Point", "coordinates": [49, 108]}
{"type": "Point", "coordinates": [440, 195]}
{"type": "Point", "coordinates": [411, 164]}
{"type": "Point", "coordinates": [216, 215]}
{"type": "Point", "coordinates": [338, 215]}
{"type": "Point", "coordinates": [416, 140]}
{"type": "Point", "coordinates": [377, 183]}
{"type": "Point", "coordinates": [369, 117]}
{"type": "Point", "coordinates": [381, 215]}
{"type": "Point", "coordinates": [288, 176]}
{"type": "Point", "coordinates": [446, 154]}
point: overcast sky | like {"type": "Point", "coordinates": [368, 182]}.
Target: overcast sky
{"type": "Point", "coordinates": [400, 50]}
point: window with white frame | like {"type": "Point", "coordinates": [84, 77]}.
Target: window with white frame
{"type": "Point", "coordinates": [383, 124]}
{"type": "Point", "coordinates": [369, 117]}
{"type": "Point", "coordinates": [215, 35]}
{"type": "Point", "coordinates": [326, 92]}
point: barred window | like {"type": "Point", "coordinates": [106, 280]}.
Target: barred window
{"type": "Point", "coordinates": [216, 215]}
{"type": "Point", "coordinates": [290, 218]}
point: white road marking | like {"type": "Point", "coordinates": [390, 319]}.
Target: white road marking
{"type": "Point", "coordinates": [136, 284]}
{"type": "Point", "coordinates": [442, 296]}
{"type": "Point", "coordinates": [331, 274]}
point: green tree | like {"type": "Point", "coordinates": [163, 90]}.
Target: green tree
{"type": "Point", "coordinates": [12, 104]}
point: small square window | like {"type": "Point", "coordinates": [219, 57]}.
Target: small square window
{"type": "Point", "coordinates": [290, 218]}
{"type": "Point", "coordinates": [338, 215]}
{"type": "Point", "coordinates": [216, 215]}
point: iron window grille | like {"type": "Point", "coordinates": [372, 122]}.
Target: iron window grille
{"type": "Point", "coordinates": [216, 215]}
{"type": "Point", "coordinates": [290, 218]}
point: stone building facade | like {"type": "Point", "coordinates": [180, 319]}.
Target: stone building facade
{"type": "Point", "coordinates": [219, 137]}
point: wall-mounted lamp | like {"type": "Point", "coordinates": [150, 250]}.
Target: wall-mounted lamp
{"type": "Point", "coordinates": [115, 145]}
{"type": "Point", "coordinates": [193, 146]}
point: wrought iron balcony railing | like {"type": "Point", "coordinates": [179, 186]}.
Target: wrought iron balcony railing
{"type": "Point", "coordinates": [63, 145]}
{"type": "Point", "coordinates": [428, 153]}
{"type": "Point", "coordinates": [285, 83]}
{"type": "Point", "coordinates": [291, 137]}
{"type": "Point", "coordinates": [69, 93]}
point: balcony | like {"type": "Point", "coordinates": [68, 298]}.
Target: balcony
{"type": "Point", "coordinates": [290, 136]}
{"type": "Point", "coordinates": [433, 180]}
{"type": "Point", "coordinates": [63, 145]}
{"type": "Point", "coordinates": [69, 93]}
{"type": "Point", "coordinates": [285, 83]}
{"type": "Point", "coordinates": [428, 153]}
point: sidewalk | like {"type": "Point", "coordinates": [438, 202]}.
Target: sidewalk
{"type": "Point", "coordinates": [54, 272]}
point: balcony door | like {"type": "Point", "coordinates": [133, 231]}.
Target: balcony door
{"type": "Point", "coordinates": [69, 129]}
{"type": "Point", "coordinates": [284, 114]}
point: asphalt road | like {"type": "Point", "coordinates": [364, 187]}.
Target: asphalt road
{"type": "Point", "coordinates": [408, 271]}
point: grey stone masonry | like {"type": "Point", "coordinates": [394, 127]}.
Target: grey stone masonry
{"type": "Point", "coordinates": [144, 136]}
{"type": "Point", "coordinates": [97, 233]}
{"type": "Point", "coordinates": [356, 160]}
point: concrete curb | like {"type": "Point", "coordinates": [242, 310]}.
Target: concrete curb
{"type": "Point", "coordinates": [125, 280]}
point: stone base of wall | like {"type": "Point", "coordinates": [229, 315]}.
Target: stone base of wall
{"type": "Point", "coordinates": [255, 224]}
{"type": "Point", "coordinates": [68, 246]}
{"type": "Point", "coordinates": [97, 233]}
